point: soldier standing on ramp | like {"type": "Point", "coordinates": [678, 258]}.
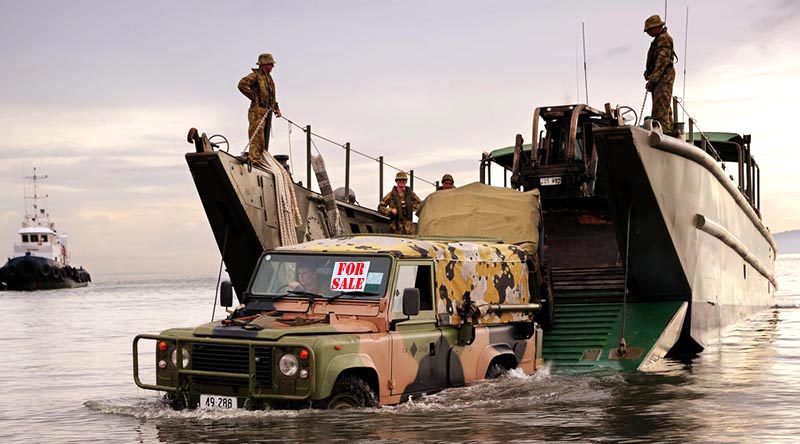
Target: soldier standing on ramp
{"type": "Point", "coordinates": [259, 87]}
{"type": "Point", "coordinates": [400, 205]}
{"type": "Point", "coordinates": [659, 71]}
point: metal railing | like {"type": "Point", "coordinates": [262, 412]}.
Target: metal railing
{"type": "Point", "coordinates": [310, 135]}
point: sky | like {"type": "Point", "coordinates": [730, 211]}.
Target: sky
{"type": "Point", "coordinates": [99, 96]}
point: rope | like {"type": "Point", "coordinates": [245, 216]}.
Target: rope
{"type": "Point", "coordinates": [288, 212]}
{"type": "Point", "coordinates": [622, 350]}
{"type": "Point", "coordinates": [341, 145]}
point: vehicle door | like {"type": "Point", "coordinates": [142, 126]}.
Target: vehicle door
{"type": "Point", "coordinates": [419, 361]}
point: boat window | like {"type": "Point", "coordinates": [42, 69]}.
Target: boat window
{"type": "Point", "coordinates": [34, 238]}
{"type": "Point", "coordinates": [24, 238]}
{"type": "Point", "coordinates": [413, 276]}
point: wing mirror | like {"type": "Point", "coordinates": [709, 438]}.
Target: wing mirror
{"type": "Point", "coordinates": [226, 294]}
{"type": "Point", "coordinates": [411, 302]}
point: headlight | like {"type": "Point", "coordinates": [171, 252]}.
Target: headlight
{"type": "Point", "coordinates": [288, 364]}
{"type": "Point", "coordinates": [184, 357]}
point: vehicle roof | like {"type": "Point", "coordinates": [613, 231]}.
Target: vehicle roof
{"type": "Point", "coordinates": [406, 247]}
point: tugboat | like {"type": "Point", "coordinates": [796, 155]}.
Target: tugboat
{"type": "Point", "coordinates": [41, 260]}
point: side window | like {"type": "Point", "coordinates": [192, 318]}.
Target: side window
{"type": "Point", "coordinates": [24, 238]}
{"type": "Point", "coordinates": [34, 238]}
{"type": "Point", "coordinates": [413, 276]}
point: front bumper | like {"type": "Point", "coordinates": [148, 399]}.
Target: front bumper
{"type": "Point", "coordinates": [244, 369]}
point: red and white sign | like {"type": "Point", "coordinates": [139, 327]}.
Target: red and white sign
{"type": "Point", "coordinates": [349, 276]}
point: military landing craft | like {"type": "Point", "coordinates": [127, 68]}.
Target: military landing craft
{"type": "Point", "coordinates": [651, 246]}
{"type": "Point", "coordinates": [655, 243]}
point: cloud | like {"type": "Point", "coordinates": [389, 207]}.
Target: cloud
{"type": "Point", "coordinates": [779, 14]}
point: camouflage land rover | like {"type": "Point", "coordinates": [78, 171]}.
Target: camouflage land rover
{"type": "Point", "coordinates": [358, 321]}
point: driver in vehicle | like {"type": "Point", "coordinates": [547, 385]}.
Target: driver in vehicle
{"type": "Point", "coordinates": [307, 280]}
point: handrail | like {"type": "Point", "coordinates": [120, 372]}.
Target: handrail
{"type": "Point", "coordinates": [346, 146]}
{"type": "Point", "coordinates": [702, 134]}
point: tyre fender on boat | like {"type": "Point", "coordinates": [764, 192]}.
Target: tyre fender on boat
{"type": "Point", "coordinates": [27, 269]}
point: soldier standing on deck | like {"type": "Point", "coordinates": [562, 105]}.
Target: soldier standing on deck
{"type": "Point", "coordinates": [659, 71]}
{"type": "Point", "coordinates": [259, 87]}
{"type": "Point", "coordinates": [400, 205]}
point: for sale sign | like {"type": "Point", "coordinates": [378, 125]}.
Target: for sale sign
{"type": "Point", "coordinates": [349, 276]}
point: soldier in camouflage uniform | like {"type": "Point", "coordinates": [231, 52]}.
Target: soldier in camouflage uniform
{"type": "Point", "coordinates": [659, 71]}
{"type": "Point", "coordinates": [400, 205]}
{"type": "Point", "coordinates": [259, 87]}
{"type": "Point", "coordinates": [447, 182]}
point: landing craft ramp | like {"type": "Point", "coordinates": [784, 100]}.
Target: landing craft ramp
{"type": "Point", "coordinates": [589, 318]}
{"type": "Point", "coordinates": [584, 243]}
{"type": "Point", "coordinates": [240, 201]}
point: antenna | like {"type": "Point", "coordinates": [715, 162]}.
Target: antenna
{"type": "Point", "coordinates": [665, 10]}
{"type": "Point", "coordinates": [577, 74]}
{"type": "Point", "coordinates": [685, 51]}
{"type": "Point", "coordinates": [585, 76]}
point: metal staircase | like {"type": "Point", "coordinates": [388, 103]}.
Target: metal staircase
{"type": "Point", "coordinates": [588, 311]}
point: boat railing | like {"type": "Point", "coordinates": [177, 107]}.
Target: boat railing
{"type": "Point", "coordinates": [749, 172]}
{"type": "Point", "coordinates": [705, 142]}
{"type": "Point", "coordinates": [348, 150]}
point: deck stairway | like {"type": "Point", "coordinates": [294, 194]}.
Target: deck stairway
{"type": "Point", "coordinates": [588, 313]}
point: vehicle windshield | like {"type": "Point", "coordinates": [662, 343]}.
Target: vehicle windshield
{"type": "Point", "coordinates": [328, 276]}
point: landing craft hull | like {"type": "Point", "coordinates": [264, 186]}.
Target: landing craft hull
{"type": "Point", "coordinates": [241, 206]}
{"type": "Point", "coordinates": [693, 237]}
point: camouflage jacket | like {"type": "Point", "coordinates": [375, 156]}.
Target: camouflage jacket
{"type": "Point", "coordinates": [260, 89]}
{"type": "Point", "coordinates": [659, 57]}
{"type": "Point", "coordinates": [393, 200]}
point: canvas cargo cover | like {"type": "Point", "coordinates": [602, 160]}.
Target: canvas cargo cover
{"type": "Point", "coordinates": [485, 211]}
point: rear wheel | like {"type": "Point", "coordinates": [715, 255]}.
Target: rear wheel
{"type": "Point", "coordinates": [351, 392]}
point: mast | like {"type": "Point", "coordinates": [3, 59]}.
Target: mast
{"type": "Point", "coordinates": [33, 218]}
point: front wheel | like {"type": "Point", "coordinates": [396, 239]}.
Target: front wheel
{"type": "Point", "coordinates": [351, 392]}
{"type": "Point", "coordinates": [177, 401]}
{"type": "Point", "coordinates": [495, 371]}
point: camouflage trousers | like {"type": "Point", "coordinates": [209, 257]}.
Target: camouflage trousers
{"type": "Point", "coordinates": [662, 105]}
{"type": "Point", "coordinates": [399, 226]}
{"type": "Point", "coordinates": [260, 142]}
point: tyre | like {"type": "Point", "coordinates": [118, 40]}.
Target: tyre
{"type": "Point", "coordinates": [495, 370]}
{"type": "Point", "coordinates": [177, 401]}
{"type": "Point", "coordinates": [351, 392]}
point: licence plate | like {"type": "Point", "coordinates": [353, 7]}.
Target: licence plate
{"type": "Point", "coordinates": [545, 181]}
{"type": "Point", "coordinates": [212, 402]}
